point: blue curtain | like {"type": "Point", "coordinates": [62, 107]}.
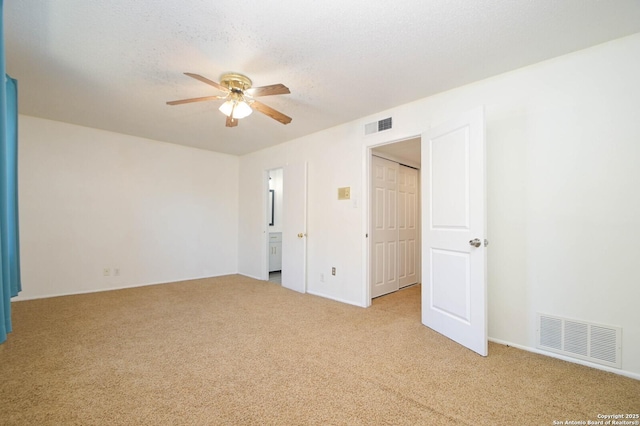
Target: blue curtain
{"type": "Point", "coordinates": [9, 238]}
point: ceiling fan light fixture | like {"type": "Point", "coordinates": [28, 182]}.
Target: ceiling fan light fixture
{"type": "Point", "coordinates": [227, 108]}
{"type": "Point", "coordinates": [236, 107]}
{"type": "Point", "coordinates": [242, 110]}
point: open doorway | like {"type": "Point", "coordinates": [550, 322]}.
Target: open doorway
{"type": "Point", "coordinates": [394, 243]}
{"type": "Point", "coordinates": [452, 229]}
{"type": "Point", "coordinates": [285, 231]}
{"type": "Point", "coordinates": [274, 224]}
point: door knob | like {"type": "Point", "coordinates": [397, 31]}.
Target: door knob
{"type": "Point", "coordinates": [300, 235]}
{"type": "Point", "coordinates": [475, 242]}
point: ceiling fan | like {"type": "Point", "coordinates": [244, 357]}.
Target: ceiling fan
{"type": "Point", "coordinates": [238, 95]}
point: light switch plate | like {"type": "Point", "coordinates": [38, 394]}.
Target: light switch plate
{"type": "Point", "coordinates": [344, 193]}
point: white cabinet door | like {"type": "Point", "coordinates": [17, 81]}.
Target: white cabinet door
{"type": "Point", "coordinates": [275, 251]}
{"type": "Point", "coordinates": [453, 231]}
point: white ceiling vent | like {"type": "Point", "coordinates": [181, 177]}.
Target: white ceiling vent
{"type": "Point", "coordinates": [378, 126]}
{"type": "Point", "coordinates": [597, 343]}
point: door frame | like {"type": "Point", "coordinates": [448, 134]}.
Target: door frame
{"type": "Point", "coordinates": [367, 252]}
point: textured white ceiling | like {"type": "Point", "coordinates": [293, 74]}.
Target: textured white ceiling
{"type": "Point", "coordinates": [113, 64]}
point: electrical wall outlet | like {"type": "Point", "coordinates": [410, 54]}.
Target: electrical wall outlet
{"type": "Point", "coordinates": [116, 272]}
{"type": "Point", "coordinates": [333, 270]}
{"type": "Point", "coordinates": [106, 272]}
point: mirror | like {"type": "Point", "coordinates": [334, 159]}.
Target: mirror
{"type": "Point", "coordinates": [271, 206]}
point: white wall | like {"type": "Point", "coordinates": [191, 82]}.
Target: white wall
{"type": "Point", "coordinates": [334, 227]}
{"type": "Point", "coordinates": [563, 155]}
{"type": "Point", "coordinates": [91, 199]}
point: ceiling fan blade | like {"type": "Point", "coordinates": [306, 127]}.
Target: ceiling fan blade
{"type": "Point", "coordinates": [274, 89]}
{"type": "Point", "coordinates": [186, 101]}
{"type": "Point", "coordinates": [207, 81]}
{"type": "Point", "coordinates": [232, 122]}
{"type": "Point", "coordinates": [276, 115]}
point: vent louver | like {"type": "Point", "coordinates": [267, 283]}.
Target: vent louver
{"type": "Point", "coordinates": [597, 343]}
{"type": "Point", "coordinates": [385, 124]}
{"type": "Point", "coordinates": [378, 126]}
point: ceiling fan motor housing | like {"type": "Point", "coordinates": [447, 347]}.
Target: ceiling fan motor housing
{"type": "Point", "coordinates": [236, 82]}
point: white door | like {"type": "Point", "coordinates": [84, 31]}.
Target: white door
{"type": "Point", "coordinates": [453, 231]}
{"type": "Point", "coordinates": [294, 227]}
{"type": "Point", "coordinates": [407, 226]}
{"type": "Point", "coordinates": [384, 232]}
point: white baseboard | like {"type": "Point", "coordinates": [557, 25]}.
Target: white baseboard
{"type": "Point", "coordinates": [568, 359]}
{"type": "Point", "coordinates": [251, 276]}
{"type": "Point", "coordinates": [99, 290]}
{"type": "Point", "coordinates": [348, 302]}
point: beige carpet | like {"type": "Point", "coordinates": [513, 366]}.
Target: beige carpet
{"type": "Point", "coordinates": [237, 351]}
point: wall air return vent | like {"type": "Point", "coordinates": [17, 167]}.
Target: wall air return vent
{"type": "Point", "coordinates": [601, 344]}
{"type": "Point", "coordinates": [378, 126]}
